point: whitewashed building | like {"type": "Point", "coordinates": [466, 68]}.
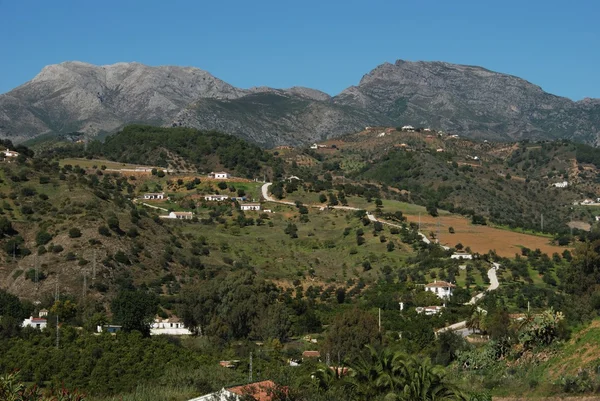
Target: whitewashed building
{"type": "Point", "coordinates": [563, 184]}
{"type": "Point", "coordinates": [250, 206]}
{"type": "Point", "coordinates": [10, 153]}
{"type": "Point", "coordinates": [171, 326]}
{"type": "Point", "coordinates": [179, 215]}
{"type": "Point", "coordinates": [408, 128]}
{"type": "Point", "coordinates": [442, 289]}
{"type": "Point", "coordinates": [429, 310]}
{"type": "Point", "coordinates": [155, 195]}
{"type": "Point", "coordinates": [221, 175]}
{"type": "Point", "coordinates": [461, 255]}
{"type": "Point", "coordinates": [216, 198]}
{"type": "Point", "coordinates": [36, 322]}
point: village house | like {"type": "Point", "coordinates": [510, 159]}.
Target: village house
{"type": "Point", "coordinates": [442, 289]}
{"type": "Point", "coordinates": [260, 391]}
{"type": "Point", "coordinates": [155, 196]}
{"type": "Point", "coordinates": [108, 328]}
{"type": "Point", "coordinates": [311, 354]}
{"type": "Point", "coordinates": [171, 326]}
{"type": "Point", "coordinates": [37, 322]}
{"type": "Point", "coordinates": [221, 175]}
{"type": "Point", "coordinates": [429, 310]}
{"type": "Point", "coordinates": [10, 153]}
{"type": "Point", "coordinates": [216, 198]}
{"type": "Point", "coordinates": [461, 255]}
{"type": "Point", "coordinates": [563, 184]}
{"type": "Point", "coordinates": [250, 206]}
{"type": "Point", "coordinates": [179, 216]}
{"type": "Point", "coordinates": [408, 128]}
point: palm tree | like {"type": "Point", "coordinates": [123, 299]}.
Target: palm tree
{"type": "Point", "coordinates": [425, 382]}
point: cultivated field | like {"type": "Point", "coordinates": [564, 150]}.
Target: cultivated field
{"type": "Point", "coordinates": [483, 238]}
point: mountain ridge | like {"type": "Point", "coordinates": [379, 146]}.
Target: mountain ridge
{"type": "Point", "coordinates": [470, 100]}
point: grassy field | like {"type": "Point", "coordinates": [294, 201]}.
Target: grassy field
{"type": "Point", "coordinates": [320, 254]}
{"type": "Point", "coordinates": [90, 163]}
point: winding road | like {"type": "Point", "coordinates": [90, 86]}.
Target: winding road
{"type": "Point", "coordinates": [460, 327]}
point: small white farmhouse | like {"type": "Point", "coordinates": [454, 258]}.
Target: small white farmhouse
{"type": "Point", "coordinates": [442, 289]}
{"type": "Point", "coordinates": [10, 153]}
{"type": "Point", "coordinates": [408, 128]}
{"type": "Point", "coordinates": [461, 255]}
{"type": "Point", "coordinates": [35, 322]}
{"type": "Point", "coordinates": [153, 195]}
{"type": "Point", "coordinates": [563, 184]}
{"type": "Point", "coordinates": [180, 215]}
{"type": "Point", "coordinates": [221, 175]}
{"type": "Point", "coordinates": [216, 198]}
{"type": "Point", "coordinates": [250, 206]}
{"type": "Point", "coordinates": [171, 326]}
{"type": "Point", "coordinates": [428, 310]}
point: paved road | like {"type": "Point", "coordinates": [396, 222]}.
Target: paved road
{"type": "Point", "coordinates": [461, 327]}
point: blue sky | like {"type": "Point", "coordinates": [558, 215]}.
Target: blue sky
{"type": "Point", "coordinates": [326, 45]}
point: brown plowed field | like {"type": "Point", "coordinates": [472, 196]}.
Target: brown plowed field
{"type": "Point", "coordinates": [481, 239]}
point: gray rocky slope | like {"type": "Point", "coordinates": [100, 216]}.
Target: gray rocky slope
{"type": "Point", "coordinates": [472, 101]}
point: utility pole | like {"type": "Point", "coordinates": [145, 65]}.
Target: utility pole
{"type": "Point", "coordinates": [94, 267]}
{"type": "Point", "coordinates": [542, 221]}
{"type": "Point", "coordinates": [250, 369]}
{"type": "Point", "coordinates": [380, 320]}
{"type": "Point", "coordinates": [84, 284]}
{"type": "Point", "coordinates": [57, 297]}
{"type": "Point", "coordinates": [419, 221]}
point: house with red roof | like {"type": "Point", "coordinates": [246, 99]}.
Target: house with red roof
{"type": "Point", "coordinates": [265, 390]}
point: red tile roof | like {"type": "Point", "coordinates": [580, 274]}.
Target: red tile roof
{"type": "Point", "coordinates": [260, 391]}
{"type": "Point", "coordinates": [311, 354]}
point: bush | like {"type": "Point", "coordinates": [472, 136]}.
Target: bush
{"type": "Point", "coordinates": [451, 230]}
{"type": "Point", "coordinates": [103, 230]}
{"type": "Point", "coordinates": [42, 238]}
{"type": "Point", "coordinates": [74, 233]}
{"type": "Point", "coordinates": [57, 249]}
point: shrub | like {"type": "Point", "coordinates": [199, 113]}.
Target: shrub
{"type": "Point", "coordinates": [57, 249]}
{"type": "Point", "coordinates": [74, 232]}
{"type": "Point", "coordinates": [103, 230]}
{"type": "Point", "coordinates": [42, 238]}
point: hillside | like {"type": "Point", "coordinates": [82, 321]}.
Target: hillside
{"type": "Point", "coordinates": [509, 184]}
{"type": "Point", "coordinates": [470, 101]}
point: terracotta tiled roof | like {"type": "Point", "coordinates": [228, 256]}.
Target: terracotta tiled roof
{"type": "Point", "coordinates": [311, 354]}
{"type": "Point", "coordinates": [260, 391]}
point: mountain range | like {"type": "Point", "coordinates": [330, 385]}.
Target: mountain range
{"type": "Point", "coordinates": [467, 100]}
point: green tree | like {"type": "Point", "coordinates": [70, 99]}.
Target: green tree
{"type": "Point", "coordinates": [134, 310]}
{"type": "Point", "coordinates": [74, 232]}
{"type": "Point", "coordinates": [350, 332]}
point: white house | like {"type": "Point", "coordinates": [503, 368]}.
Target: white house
{"type": "Point", "coordinates": [429, 310]}
{"type": "Point", "coordinates": [250, 206]}
{"type": "Point", "coordinates": [461, 255]}
{"type": "Point", "coordinates": [442, 289]}
{"type": "Point", "coordinates": [179, 215]}
{"type": "Point", "coordinates": [43, 313]}
{"type": "Point", "coordinates": [35, 322]}
{"type": "Point", "coordinates": [408, 128]}
{"type": "Point", "coordinates": [314, 146]}
{"type": "Point", "coordinates": [221, 175]}
{"type": "Point", "coordinates": [597, 218]}
{"type": "Point", "coordinates": [216, 198]}
{"type": "Point", "coordinates": [10, 153]}
{"type": "Point", "coordinates": [563, 184]}
{"type": "Point", "coordinates": [171, 326]}
{"type": "Point", "coordinates": [153, 195]}
{"type": "Point", "coordinates": [381, 135]}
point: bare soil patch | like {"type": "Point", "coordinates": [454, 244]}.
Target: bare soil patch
{"type": "Point", "coordinates": [481, 239]}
